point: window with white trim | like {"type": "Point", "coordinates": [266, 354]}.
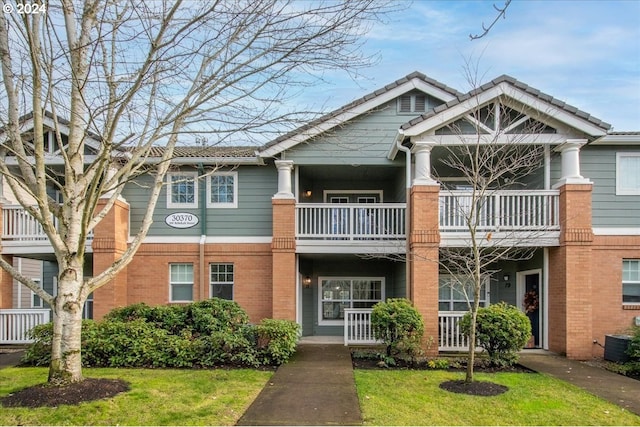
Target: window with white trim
{"type": "Point", "coordinates": [338, 293]}
{"type": "Point", "coordinates": [631, 281]}
{"type": "Point", "coordinates": [452, 293]}
{"type": "Point", "coordinates": [181, 282]}
{"type": "Point", "coordinates": [222, 190]}
{"type": "Point", "coordinates": [222, 280]}
{"type": "Point", "coordinates": [36, 301]}
{"type": "Point", "coordinates": [182, 190]}
{"type": "Point", "coordinates": [628, 174]}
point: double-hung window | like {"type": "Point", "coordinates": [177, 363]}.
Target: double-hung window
{"type": "Point", "coordinates": [182, 190]}
{"type": "Point", "coordinates": [628, 174]}
{"type": "Point", "coordinates": [338, 293]}
{"type": "Point", "coordinates": [223, 190]}
{"type": "Point", "coordinates": [222, 281]}
{"type": "Point", "coordinates": [181, 282]}
{"type": "Point", "coordinates": [454, 292]}
{"type": "Point", "coordinates": [631, 281]}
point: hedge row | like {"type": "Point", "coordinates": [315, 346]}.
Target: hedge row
{"type": "Point", "coordinates": [208, 333]}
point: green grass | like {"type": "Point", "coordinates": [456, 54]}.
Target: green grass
{"type": "Point", "coordinates": [414, 398]}
{"type": "Point", "coordinates": [157, 397]}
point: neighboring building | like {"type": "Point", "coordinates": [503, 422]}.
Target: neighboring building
{"type": "Point", "coordinates": [320, 224]}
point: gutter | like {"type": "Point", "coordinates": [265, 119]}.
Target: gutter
{"type": "Point", "coordinates": [203, 233]}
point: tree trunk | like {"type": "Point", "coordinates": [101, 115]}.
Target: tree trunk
{"type": "Point", "coordinates": [66, 358]}
{"type": "Point", "coordinates": [472, 348]}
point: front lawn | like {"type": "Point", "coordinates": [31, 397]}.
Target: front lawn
{"type": "Point", "coordinates": [156, 397]}
{"type": "Point", "coordinates": [405, 397]}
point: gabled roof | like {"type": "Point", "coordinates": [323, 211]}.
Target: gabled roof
{"type": "Point", "coordinates": [506, 85]}
{"type": "Point", "coordinates": [368, 102]}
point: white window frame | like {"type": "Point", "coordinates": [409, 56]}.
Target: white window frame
{"type": "Point", "coordinates": [484, 299]}
{"type": "Point", "coordinates": [413, 103]}
{"type": "Point", "coordinates": [621, 191]}
{"type": "Point", "coordinates": [34, 295]}
{"type": "Point", "coordinates": [234, 204]}
{"type": "Point", "coordinates": [629, 282]}
{"type": "Point", "coordinates": [173, 205]}
{"type": "Point", "coordinates": [232, 282]}
{"type": "Point", "coordinates": [322, 322]}
{"type": "Point", "coordinates": [181, 283]}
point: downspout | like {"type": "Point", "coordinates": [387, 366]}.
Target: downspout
{"type": "Point", "coordinates": [407, 213]}
{"type": "Point", "coordinates": [203, 233]}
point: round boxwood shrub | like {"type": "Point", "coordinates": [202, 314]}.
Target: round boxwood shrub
{"type": "Point", "coordinates": [502, 330]}
{"type": "Point", "coordinates": [398, 324]}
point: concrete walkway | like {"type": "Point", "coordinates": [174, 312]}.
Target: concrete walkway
{"type": "Point", "coordinates": [615, 388]}
{"type": "Point", "coordinates": [316, 387]}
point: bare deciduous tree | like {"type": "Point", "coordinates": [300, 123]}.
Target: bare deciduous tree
{"type": "Point", "coordinates": [134, 75]}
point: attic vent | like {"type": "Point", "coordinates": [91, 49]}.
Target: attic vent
{"type": "Point", "coordinates": [412, 103]}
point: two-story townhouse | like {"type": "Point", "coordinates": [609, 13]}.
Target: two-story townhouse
{"type": "Point", "coordinates": [358, 206]}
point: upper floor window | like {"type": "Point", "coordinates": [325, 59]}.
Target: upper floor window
{"type": "Point", "coordinates": [628, 174]}
{"type": "Point", "coordinates": [412, 103]}
{"type": "Point", "coordinates": [631, 281]}
{"type": "Point", "coordinates": [222, 280]}
{"type": "Point", "coordinates": [181, 282]}
{"type": "Point", "coordinates": [182, 190]}
{"type": "Point", "coordinates": [223, 190]}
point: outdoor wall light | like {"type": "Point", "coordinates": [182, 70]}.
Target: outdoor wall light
{"type": "Point", "coordinates": [306, 281]}
{"type": "Point", "coordinates": [307, 193]}
{"type": "Point", "coordinates": [506, 277]}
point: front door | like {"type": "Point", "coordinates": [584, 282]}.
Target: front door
{"type": "Point", "coordinates": [529, 292]}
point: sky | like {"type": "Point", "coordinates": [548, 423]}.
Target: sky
{"type": "Point", "coordinates": [585, 53]}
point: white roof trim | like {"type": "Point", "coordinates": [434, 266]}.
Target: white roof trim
{"type": "Point", "coordinates": [359, 109]}
{"type": "Point", "coordinates": [504, 88]}
{"type": "Point", "coordinates": [618, 140]}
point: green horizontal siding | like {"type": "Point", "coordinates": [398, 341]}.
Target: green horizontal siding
{"type": "Point", "coordinates": [365, 140]}
{"type": "Point", "coordinates": [598, 163]}
{"type": "Point", "coordinates": [252, 217]}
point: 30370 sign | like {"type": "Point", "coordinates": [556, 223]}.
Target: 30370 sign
{"type": "Point", "coordinates": [181, 220]}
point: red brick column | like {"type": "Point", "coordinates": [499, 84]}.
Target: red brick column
{"type": "Point", "coordinates": [570, 271]}
{"type": "Point", "coordinates": [109, 243]}
{"type": "Point", "coordinates": [424, 242]}
{"type": "Point", "coordinates": [6, 281]}
{"type": "Point", "coordinates": [283, 249]}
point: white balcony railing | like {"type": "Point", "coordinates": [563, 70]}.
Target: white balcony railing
{"type": "Point", "coordinates": [19, 226]}
{"type": "Point", "coordinates": [535, 210]}
{"type": "Point", "coordinates": [15, 323]}
{"type": "Point", "coordinates": [350, 221]}
{"type": "Point", "coordinates": [357, 329]}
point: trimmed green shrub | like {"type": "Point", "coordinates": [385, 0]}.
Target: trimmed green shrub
{"type": "Point", "coordinates": [633, 365]}
{"type": "Point", "coordinates": [398, 324]}
{"type": "Point", "coordinates": [206, 334]}
{"type": "Point", "coordinates": [276, 340]}
{"type": "Point", "coordinates": [502, 330]}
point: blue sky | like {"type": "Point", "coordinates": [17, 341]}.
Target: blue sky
{"type": "Point", "coordinates": [585, 53]}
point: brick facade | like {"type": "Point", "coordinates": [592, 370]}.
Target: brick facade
{"type": "Point", "coordinates": [283, 247]}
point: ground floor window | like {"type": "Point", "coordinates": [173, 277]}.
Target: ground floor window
{"type": "Point", "coordinates": [455, 291]}
{"type": "Point", "coordinates": [181, 282]}
{"type": "Point", "coordinates": [222, 281]}
{"type": "Point", "coordinates": [631, 281]}
{"type": "Point", "coordinates": [339, 293]}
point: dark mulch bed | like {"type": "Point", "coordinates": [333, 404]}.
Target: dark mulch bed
{"type": "Point", "coordinates": [476, 388]}
{"type": "Point", "coordinates": [72, 394]}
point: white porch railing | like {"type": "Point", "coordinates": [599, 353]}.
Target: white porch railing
{"type": "Point", "coordinates": [15, 323]}
{"type": "Point", "coordinates": [383, 221]}
{"type": "Point", "coordinates": [535, 210]}
{"type": "Point", "coordinates": [357, 326]}
{"type": "Point", "coordinates": [357, 329]}
{"type": "Point", "coordinates": [449, 336]}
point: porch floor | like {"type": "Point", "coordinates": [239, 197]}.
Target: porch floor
{"type": "Point", "coordinates": [321, 339]}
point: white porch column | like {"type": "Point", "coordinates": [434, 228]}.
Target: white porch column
{"type": "Point", "coordinates": [570, 154]}
{"type": "Point", "coordinates": [284, 179]}
{"type": "Point", "coordinates": [422, 152]}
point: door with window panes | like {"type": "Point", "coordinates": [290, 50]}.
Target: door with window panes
{"type": "Point", "coordinates": [364, 221]}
